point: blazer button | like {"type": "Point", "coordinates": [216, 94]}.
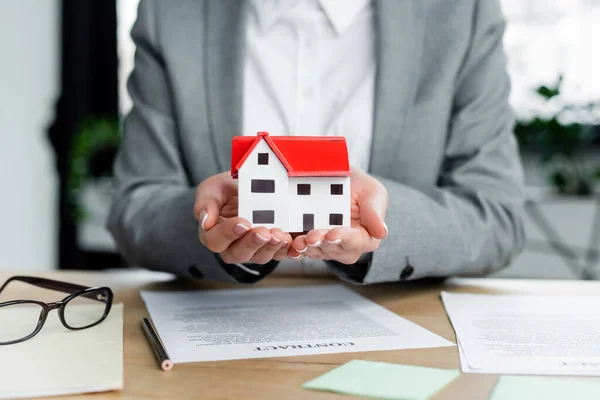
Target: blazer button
{"type": "Point", "coordinates": [406, 272]}
{"type": "Point", "coordinates": [195, 272]}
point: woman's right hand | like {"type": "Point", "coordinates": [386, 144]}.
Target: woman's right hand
{"type": "Point", "coordinates": [233, 238]}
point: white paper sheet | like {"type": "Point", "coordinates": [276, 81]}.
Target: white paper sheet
{"type": "Point", "coordinates": [58, 361]}
{"type": "Point", "coordinates": [516, 334]}
{"type": "Point", "coordinates": [274, 322]}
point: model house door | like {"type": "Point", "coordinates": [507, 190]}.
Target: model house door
{"type": "Point", "coordinates": [308, 222]}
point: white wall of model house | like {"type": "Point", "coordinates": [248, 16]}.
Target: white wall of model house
{"type": "Point", "coordinates": [287, 205]}
{"type": "Point", "coordinates": [249, 202]}
{"type": "Point", "coordinates": [320, 202]}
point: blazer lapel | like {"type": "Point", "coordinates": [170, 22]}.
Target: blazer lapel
{"type": "Point", "coordinates": [400, 34]}
{"type": "Point", "coordinates": [224, 55]}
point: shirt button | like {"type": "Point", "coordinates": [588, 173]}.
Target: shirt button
{"type": "Point", "coordinates": [406, 272]}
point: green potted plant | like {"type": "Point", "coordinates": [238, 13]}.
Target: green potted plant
{"type": "Point", "coordinates": [562, 146]}
{"type": "Point", "coordinates": [93, 151]}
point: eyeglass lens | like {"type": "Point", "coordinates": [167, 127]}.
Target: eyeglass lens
{"type": "Point", "coordinates": [17, 321]}
{"type": "Point", "coordinates": [86, 309]}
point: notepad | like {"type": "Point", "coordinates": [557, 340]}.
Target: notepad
{"type": "Point", "coordinates": [383, 380]}
{"type": "Point", "coordinates": [58, 361]}
{"type": "Point", "coordinates": [545, 388]}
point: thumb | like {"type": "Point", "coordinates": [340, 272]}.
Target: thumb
{"type": "Point", "coordinates": [372, 213]}
{"type": "Point", "coordinates": [211, 195]}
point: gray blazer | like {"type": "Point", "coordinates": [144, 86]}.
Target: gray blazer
{"type": "Point", "coordinates": [442, 142]}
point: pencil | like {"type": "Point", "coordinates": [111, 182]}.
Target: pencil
{"type": "Point", "coordinates": [157, 346]}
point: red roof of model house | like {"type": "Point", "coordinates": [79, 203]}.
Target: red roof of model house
{"type": "Point", "coordinates": [300, 155]}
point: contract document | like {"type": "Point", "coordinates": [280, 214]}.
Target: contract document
{"type": "Point", "coordinates": [516, 334]}
{"type": "Point", "coordinates": [274, 322]}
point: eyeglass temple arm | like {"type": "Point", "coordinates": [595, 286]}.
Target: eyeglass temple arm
{"type": "Point", "coordinates": [50, 284]}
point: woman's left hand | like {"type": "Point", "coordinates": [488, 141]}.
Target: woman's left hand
{"type": "Point", "coordinates": [367, 227]}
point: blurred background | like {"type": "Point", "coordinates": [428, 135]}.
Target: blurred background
{"type": "Point", "coordinates": [64, 70]}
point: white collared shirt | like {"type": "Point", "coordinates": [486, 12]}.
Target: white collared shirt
{"type": "Point", "coordinates": [310, 70]}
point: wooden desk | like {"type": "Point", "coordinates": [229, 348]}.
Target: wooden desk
{"type": "Point", "coordinates": [280, 378]}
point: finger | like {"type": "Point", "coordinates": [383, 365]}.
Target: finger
{"type": "Point", "coordinates": [331, 247]}
{"type": "Point", "coordinates": [372, 212]}
{"type": "Point", "coordinates": [301, 248]}
{"type": "Point", "coordinates": [282, 253]}
{"type": "Point", "coordinates": [265, 254]}
{"type": "Point", "coordinates": [314, 239]}
{"type": "Point", "coordinates": [268, 251]}
{"type": "Point", "coordinates": [294, 255]}
{"type": "Point", "coordinates": [352, 239]}
{"type": "Point", "coordinates": [222, 235]}
{"type": "Point", "coordinates": [286, 242]}
{"type": "Point", "coordinates": [243, 250]}
{"type": "Point", "coordinates": [285, 238]}
{"type": "Point", "coordinates": [211, 195]}
{"type": "Point", "coordinates": [315, 253]}
{"type": "Point", "coordinates": [299, 244]}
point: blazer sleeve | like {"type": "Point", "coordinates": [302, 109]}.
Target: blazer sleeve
{"type": "Point", "coordinates": [471, 222]}
{"type": "Point", "coordinates": [151, 218]}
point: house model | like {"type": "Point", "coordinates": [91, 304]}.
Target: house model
{"type": "Point", "coordinates": [295, 183]}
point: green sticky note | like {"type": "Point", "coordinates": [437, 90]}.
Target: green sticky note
{"type": "Point", "coordinates": [383, 380]}
{"type": "Point", "coordinates": [546, 388]}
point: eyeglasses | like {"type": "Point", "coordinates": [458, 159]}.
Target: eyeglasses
{"type": "Point", "coordinates": [83, 308]}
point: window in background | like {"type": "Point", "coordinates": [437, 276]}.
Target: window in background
{"type": "Point", "coordinates": [544, 38]}
{"type": "Point", "coordinates": [126, 15]}
{"type": "Point", "coordinates": [547, 38]}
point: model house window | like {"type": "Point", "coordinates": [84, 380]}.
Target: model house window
{"type": "Point", "coordinates": [262, 186]}
{"type": "Point", "coordinates": [308, 222]}
{"type": "Point", "coordinates": [336, 219]}
{"type": "Point", "coordinates": [263, 217]}
{"type": "Point", "coordinates": [263, 158]}
{"type": "Point", "coordinates": [337, 189]}
{"type": "Point", "coordinates": [303, 189]}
